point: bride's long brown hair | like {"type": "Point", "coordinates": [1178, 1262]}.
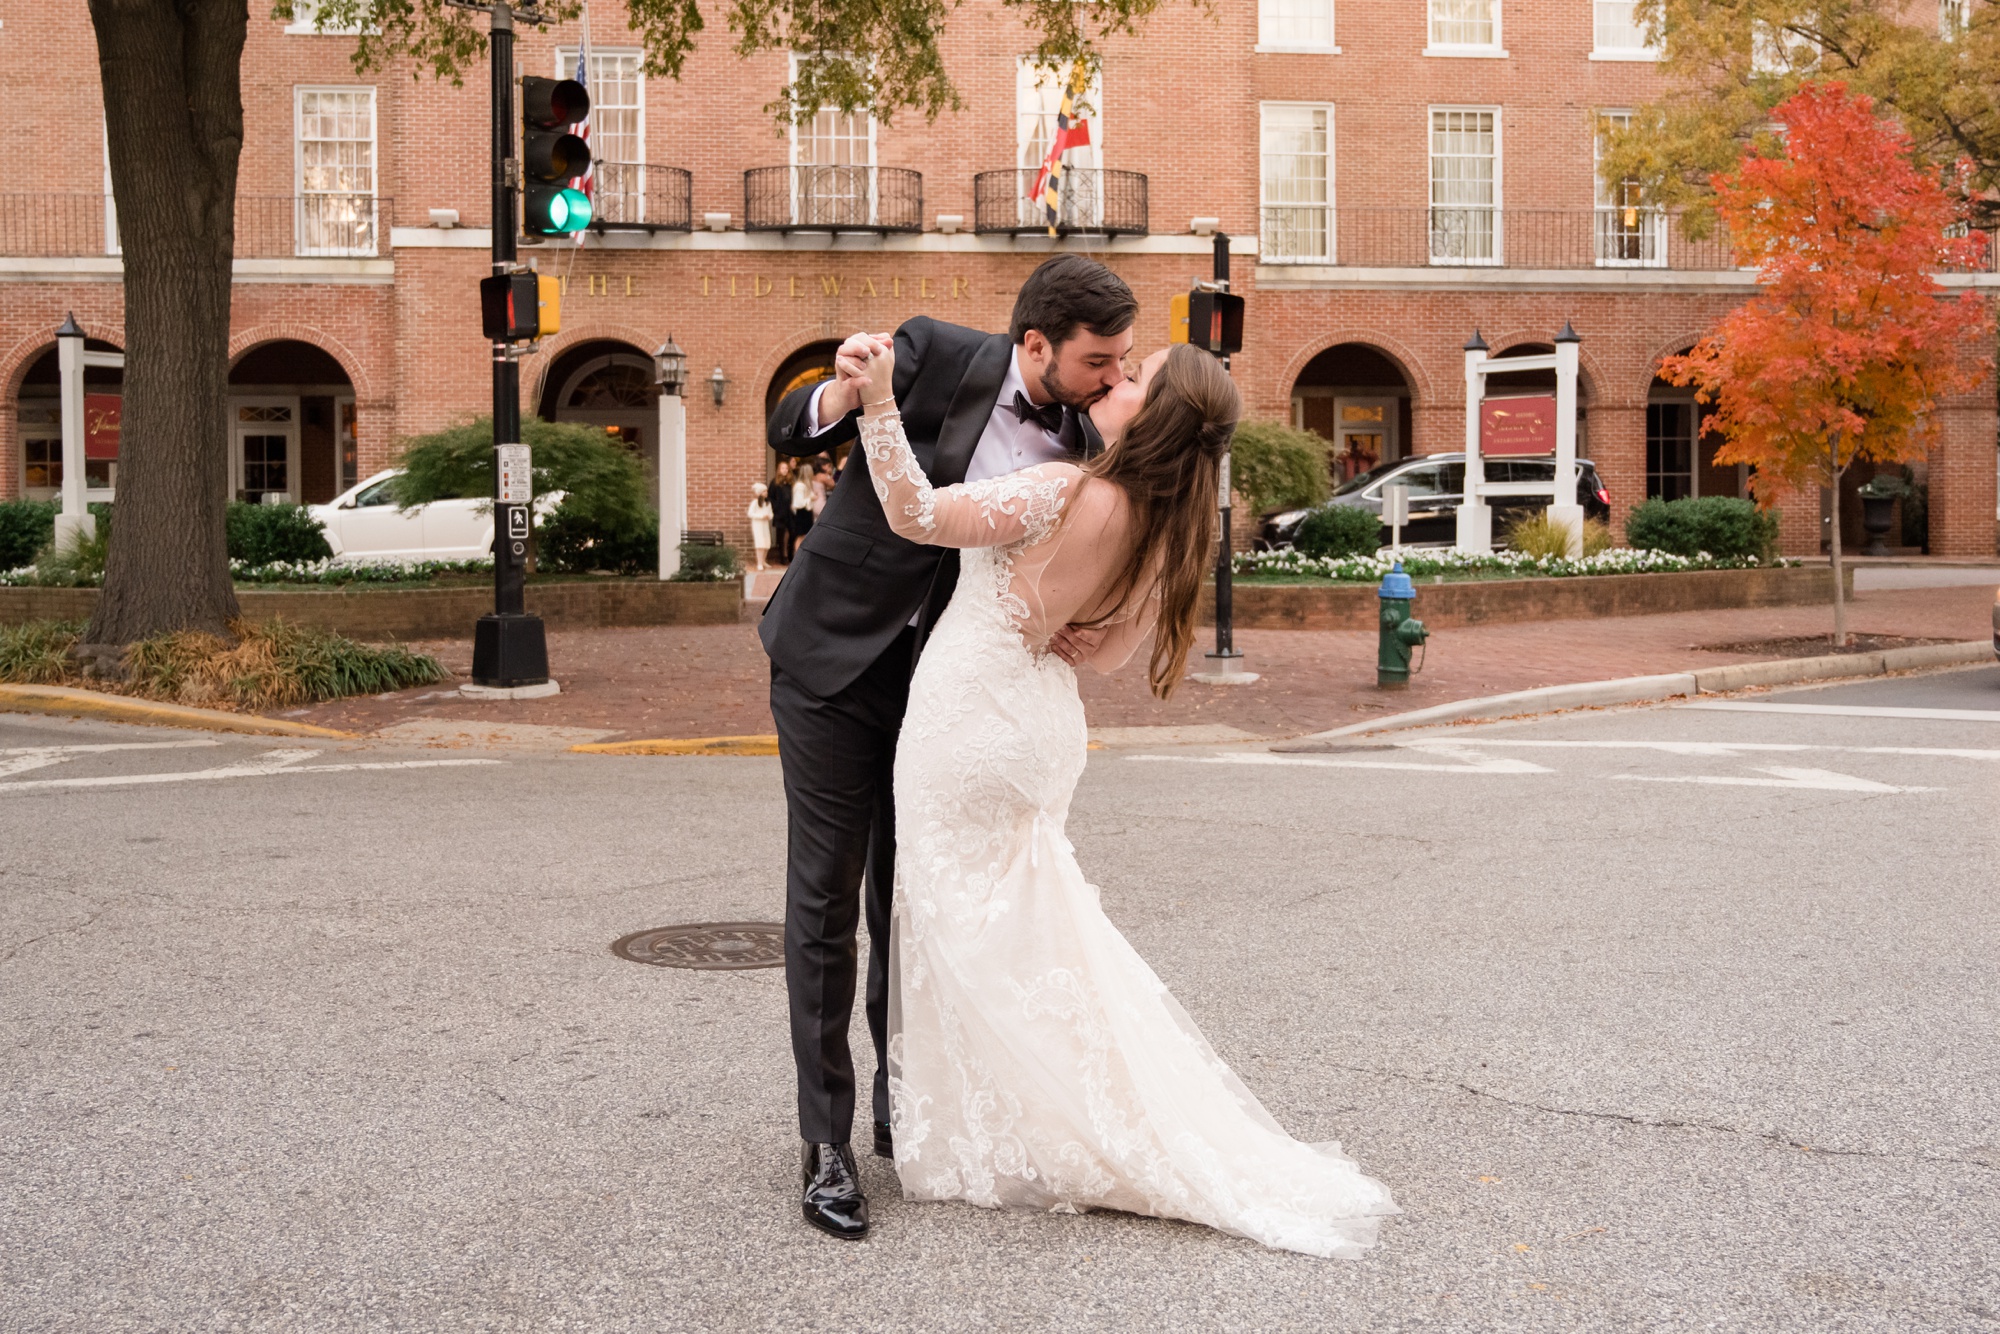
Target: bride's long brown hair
{"type": "Point", "coordinates": [1166, 463]}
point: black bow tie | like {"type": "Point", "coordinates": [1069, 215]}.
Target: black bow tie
{"type": "Point", "coordinates": [1059, 420]}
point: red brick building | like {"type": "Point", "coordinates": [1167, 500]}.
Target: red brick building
{"type": "Point", "coordinates": [1393, 176]}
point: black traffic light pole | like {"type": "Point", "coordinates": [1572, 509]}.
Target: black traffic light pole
{"type": "Point", "coordinates": [509, 647]}
{"type": "Point", "coordinates": [1225, 631]}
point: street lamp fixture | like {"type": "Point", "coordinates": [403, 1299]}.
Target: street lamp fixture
{"type": "Point", "coordinates": [718, 383]}
{"type": "Point", "coordinates": [670, 366]}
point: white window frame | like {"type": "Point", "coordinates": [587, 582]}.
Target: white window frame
{"type": "Point", "coordinates": [792, 157]}
{"type": "Point", "coordinates": [1499, 256]}
{"type": "Point", "coordinates": [112, 244]}
{"type": "Point", "coordinates": [299, 192]}
{"type": "Point", "coordinates": [1332, 248]}
{"type": "Point", "coordinates": [1599, 51]}
{"type": "Point", "coordinates": [628, 187]}
{"type": "Point", "coordinates": [1028, 77]}
{"type": "Point", "coordinates": [305, 23]}
{"type": "Point", "coordinates": [290, 430]}
{"type": "Point", "coordinates": [1609, 229]}
{"type": "Point", "coordinates": [1330, 47]}
{"type": "Point", "coordinates": [1493, 50]}
{"type": "Point", "coordinates": [1954, 17]}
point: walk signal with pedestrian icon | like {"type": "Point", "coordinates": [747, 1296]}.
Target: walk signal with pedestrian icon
{"type": "Point", "coordinates": [551, 157]}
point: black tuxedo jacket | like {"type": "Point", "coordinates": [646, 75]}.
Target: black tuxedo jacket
{"type": "Point", "coordinates": [853, 584]}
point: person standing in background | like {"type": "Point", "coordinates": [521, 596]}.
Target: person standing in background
{"type": "Point", "coordinates": [802, 503]}
{"type": "Point", "coordinates": [781, 510]}
{"type": "Point", "coordinates": [760, 521]}
{"type": "Point", "coordinates": [822, 482]}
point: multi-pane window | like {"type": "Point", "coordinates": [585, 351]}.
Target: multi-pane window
{"type": "Point", "coordinates": [1297, 148]}
{"type": "Point", "coordinates": [1295, 25]}
{"type": "Point", "coordinates": [1618, 29]}
{"type": "Point", "coordinates": [41, 446]}
{"type": "Point", "coordinates": [832, 168]}
{"type": "Point", "coordinates": [1465, 185]}
{"type": "Point", "coordinates": [336, 172]}
{"type": "Point", "coordinates": [617, 130]}
{"type": "Point", "coordinates": [1463, 23]}
{"type": "Point", "coordinates": [1038, 95]}
{"type": "Point", "coordinates": [1952, 17]}
{"type": "Point", "coordinates": [1629, 232]}
{"type": "Point", "coordinates": [1670, 450]}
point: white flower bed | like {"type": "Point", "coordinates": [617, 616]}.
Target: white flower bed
{"type": "Point", "coordinates": [1370, 569]}
{"type": "Point", "coordinates": [291, 572]}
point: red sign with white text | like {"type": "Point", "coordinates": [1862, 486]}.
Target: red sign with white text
{"type": "Point", "coordinates": [101, 421]}
{"type": "Point", "coordinates": [1524, 425]}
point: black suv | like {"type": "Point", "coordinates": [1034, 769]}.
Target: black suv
{"type": "Point", "coordinates": [1437, 486]}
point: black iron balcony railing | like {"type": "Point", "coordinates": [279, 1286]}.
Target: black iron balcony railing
{"type": "Point", "coordinates": [1471, 236]}
{"type": "Point", "coordinates": [1092, 200]}
{"type": "Point", "coordinates": [833, 199]}
{"type": "Point", "coordinates": [332, 224]}
{"type": "Point", "coordinates": [641, 196]}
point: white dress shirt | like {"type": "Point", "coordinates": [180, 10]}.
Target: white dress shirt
{"type": "Point", "coordinates": [1008, 444]}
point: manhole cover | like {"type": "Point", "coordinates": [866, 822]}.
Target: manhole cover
{"type": "Point", "coordinates": [709, 945]}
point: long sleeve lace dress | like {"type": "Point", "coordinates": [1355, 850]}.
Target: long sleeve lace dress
{"type": "Point", "coordinates": [1036, 1061]}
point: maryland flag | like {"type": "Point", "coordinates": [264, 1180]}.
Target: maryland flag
{"type": "Point", "coordinates": [1071, 132]}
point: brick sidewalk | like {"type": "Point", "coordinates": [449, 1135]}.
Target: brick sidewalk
{"type": "Point", "coordinates": [670, 681]}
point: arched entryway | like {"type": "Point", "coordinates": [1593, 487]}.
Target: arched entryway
{"type": "Point", "coordinates": [292, 425]}
{"type": "Point", "coordinates": [1680, 452]}
{"type": "Point", "coordinates": [609, 385]}
{"type": "Point", "coordinates": [807, 366]}
{"type": "Point", "coordinates": [1358, 399]}
{"type": "Point", "coordinates": [39, 409]}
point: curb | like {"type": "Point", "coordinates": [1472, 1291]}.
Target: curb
{"type": "Point", "coordinates": [71, 703]}
{"type": "Point", "coordinates": [696, 745]}
{"type": "Point", "coordinates": [1649, 689]}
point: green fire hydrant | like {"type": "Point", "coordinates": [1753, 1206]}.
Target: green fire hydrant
{"type": "Point", "coordinates": [1397, 632]}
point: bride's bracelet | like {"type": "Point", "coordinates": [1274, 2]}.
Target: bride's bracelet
{"type": "Point", "coordinates": [879, 402]}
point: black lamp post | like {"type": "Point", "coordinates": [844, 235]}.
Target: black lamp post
{"type": "Point", "coordinates": [670, 367]}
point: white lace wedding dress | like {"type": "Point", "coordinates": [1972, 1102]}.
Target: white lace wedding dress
{"type": "Point", "coordinates": [1035, 1060]}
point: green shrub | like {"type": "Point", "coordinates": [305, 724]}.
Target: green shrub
{"type": "Point", "coordinates": [701, 562]}
{"type": "Point", "coordinates": [1723, 526]}
{"type": "Point", "coordinates": [26, 526]}
{"type": "Point", "coordinates": [37, 652]}
{"type": "Point", "coordinates": [569, 542]}
{"type": "Point", "coordinates": [1339, 530]}
{"type": "Point", "coordinates": [601, 480]}
{"type": "Point", "coordinates": [1273, 466]}
{"type": "Point", "coordinates": [79, 562]}
{"type": "Point", "coordinates": [261, 534]}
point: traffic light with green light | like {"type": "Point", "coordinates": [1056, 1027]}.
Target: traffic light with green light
{"type": "Point", "coordinates": [551, 157]}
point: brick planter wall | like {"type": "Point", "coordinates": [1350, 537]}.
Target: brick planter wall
{"type": "Point", "coordinates": [434, 613]}
{"type": "Point", "coordinates": [1450, 605]}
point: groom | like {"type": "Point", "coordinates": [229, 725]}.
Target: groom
{"type": "Point", "coordinates": [843, 632]}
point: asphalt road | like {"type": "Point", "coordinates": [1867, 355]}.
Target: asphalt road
{"type": "Point", "coordinates": [1661, 1019]}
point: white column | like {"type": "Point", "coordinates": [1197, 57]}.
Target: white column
{"type": "Point", "coordinates": [673, 479]}
{"type": "Point", "coordinates": [1565, 510]}
{"type": "Point", "coordinates": [74, 518]}
{"type": "Point", "coordinates": [1475, 519]}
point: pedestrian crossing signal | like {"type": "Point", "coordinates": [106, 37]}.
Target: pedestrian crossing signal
{"type": "Point", "coordinates": [519, 307]}
{"type": "Point", "coordinates": [551, 157]}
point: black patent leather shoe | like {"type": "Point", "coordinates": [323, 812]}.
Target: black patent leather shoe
{"type": "Point", "coordinates": [885, 1141]}
{"type": "Point", "coordinates": [833, 1200]}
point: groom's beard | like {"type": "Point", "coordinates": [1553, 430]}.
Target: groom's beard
{"type": "Point", "coordinates": [1059, 393]}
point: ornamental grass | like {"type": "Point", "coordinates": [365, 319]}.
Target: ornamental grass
{"type": "Point", "coordinates": [267, 665]}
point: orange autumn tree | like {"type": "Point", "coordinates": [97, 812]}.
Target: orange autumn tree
{"type": "Point", "coordinates": [1850, 342]}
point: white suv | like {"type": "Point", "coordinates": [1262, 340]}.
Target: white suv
{"type": "Point", "coordinates": [363, 524]}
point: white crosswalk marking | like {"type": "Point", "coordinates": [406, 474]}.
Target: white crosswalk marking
{"type": "Point", "coordinates": [272, 763]}
{"type": "Point", "coordinates": [1470, 761]}
{"type": "Point", "coordinates": [1850, 711]}
{"type": "Point", "coordinates": [20, 759]}
{"type": "Point", "coordinates": [1824, 780]}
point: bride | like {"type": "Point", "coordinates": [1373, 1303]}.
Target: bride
{"type": "Point", "coordinates": [1035, 1061]}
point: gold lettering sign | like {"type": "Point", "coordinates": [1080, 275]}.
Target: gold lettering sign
{"type": "Point", "coordinates": [801, 286]}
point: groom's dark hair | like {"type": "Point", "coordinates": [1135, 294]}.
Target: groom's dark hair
{"type": "Point", "coordinates": [1069, 291]}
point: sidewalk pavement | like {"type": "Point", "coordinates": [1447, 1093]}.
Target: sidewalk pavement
{"type": "Point", "coordinates": [706, 681]}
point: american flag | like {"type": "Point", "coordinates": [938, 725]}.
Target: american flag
{"type": "Point", "coordinates": [588, 179]}
{"type": "Point", "coordinates": [1071, 132]}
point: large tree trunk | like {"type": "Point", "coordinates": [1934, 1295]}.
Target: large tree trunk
{"type": "Point", "coordinates": [173, 114]}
